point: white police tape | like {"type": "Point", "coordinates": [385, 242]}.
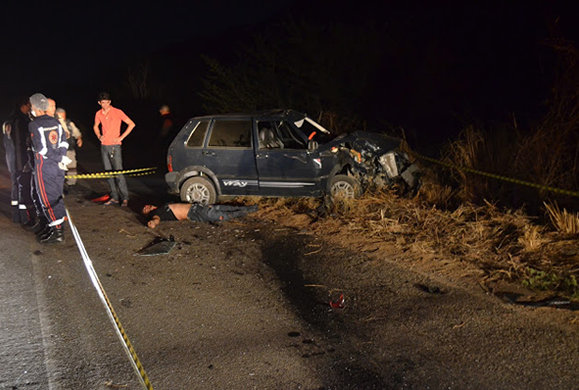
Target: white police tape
{"type": "Point", "coordinates": [136, 363]}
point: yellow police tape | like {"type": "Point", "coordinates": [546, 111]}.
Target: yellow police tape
{"type": "Point", "coordinates": [495, 176]}
{"type": "Point", "coordinates": [135, 362]}
{"type": "Point", "coordinates": [109, 174]}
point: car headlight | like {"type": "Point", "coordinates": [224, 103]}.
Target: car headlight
{"type": "Point", "coordinates": [388, 162]}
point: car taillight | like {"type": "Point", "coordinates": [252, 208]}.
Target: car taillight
{"type": "Point", "coordinates": [170, 163]}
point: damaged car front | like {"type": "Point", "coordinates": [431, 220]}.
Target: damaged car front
{"type": "Point", "coordinates": [373, 161]}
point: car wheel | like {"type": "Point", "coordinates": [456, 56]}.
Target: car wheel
{"type": "Point", "coordinates": [345, 186]}
{"type": "Point", "coordinates": [198, 190]}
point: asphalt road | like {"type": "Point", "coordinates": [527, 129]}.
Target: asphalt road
{"type": "Point", "coordinates": [23, 363]}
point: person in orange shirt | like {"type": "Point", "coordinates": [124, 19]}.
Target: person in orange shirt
{"type": "Point", "coordinates": [107, 127]}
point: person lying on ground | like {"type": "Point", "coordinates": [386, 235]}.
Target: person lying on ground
{"type": "Point", "coordinates": [195, 212]}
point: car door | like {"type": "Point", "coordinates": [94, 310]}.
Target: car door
{"type": "Point", "coordinates": [229, 154]}
{"type": "Point", "coordinates": [284, 165]}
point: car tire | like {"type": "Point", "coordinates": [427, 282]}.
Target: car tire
{"type": "Point", "coordinates": [198, 190]}
{"type": "Point", "coordinates": [345, 186]}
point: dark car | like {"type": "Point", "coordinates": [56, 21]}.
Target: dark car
{"type": "Point", "coordinates": [280, 153]}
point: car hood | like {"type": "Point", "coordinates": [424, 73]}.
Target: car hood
{"type": "Point", "coordinates": [364, 141]}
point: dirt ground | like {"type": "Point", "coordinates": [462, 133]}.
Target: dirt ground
{"type": "Point", "coordinates": [275, 280]}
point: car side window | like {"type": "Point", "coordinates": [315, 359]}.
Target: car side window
{"type": "Point", "coordinates": [290, 136]}
{"type": "Point", "coordinates": [233, 134]}
{"type": "Point", "coordinates": [198, 135]}
{"type": "Point", "coordinates": [269, 138]}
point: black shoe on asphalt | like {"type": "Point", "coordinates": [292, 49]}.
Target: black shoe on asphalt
{"type": "Point", "coordinates": [44, 233]}
{"type": "Point", "coordinates": [56, 235]}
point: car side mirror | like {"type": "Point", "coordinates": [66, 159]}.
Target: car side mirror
{"type": "Point", "coordinates": [312, 145]}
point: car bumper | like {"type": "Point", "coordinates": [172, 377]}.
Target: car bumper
{"type": "Point", "coordinates": [171, 180]}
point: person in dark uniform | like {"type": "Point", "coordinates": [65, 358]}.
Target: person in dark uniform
{"type": "Point", "coordinates": [49, 146]}
{"type": "Point", "coordinates": [19, 162]}
{"type": "Point", "coordinates": [195, 212]}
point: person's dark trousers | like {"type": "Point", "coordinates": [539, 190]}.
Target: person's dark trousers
{"type": "Point", "coordinates": [214, 213]}
{"type": "Point", "coordinates": [14, 197]}
{"type": "Point", "coordinates": [37, 210]}
{"type": "Point", "coordinates": [113, 161]}
{"type": "Point", "coordinates": [21, 201]}
{"type": "Point", "coordinates": [26, 205]}
{"type": "Point", "coordinates": [49, 181]}
{"type": "Point", "coordinates": [11, 165]}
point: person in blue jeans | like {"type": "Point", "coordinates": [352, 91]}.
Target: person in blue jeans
{"type": "Point", "coordinates": [107, 127]}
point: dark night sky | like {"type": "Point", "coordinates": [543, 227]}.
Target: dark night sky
{"type": "Point", "coordinates": [477, 59]}
{"type": "Point", "coordinates": [72, 41]}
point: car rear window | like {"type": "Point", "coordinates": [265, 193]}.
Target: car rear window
{"type": "Point", "coordinates": [234, 134]}
{"type": "Point", "coordinates": [198, 135]}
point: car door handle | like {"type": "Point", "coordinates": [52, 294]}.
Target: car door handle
{"type": "Point", "coordinates": [206, 153]}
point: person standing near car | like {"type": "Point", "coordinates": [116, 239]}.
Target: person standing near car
{"type": "Point", "coordinates": [51, 107]}
{"type": "Point", "coordinates": [107, 127]}
{"type": "Point", "coordinates": [49, 146]}
{"type": "Point", "coordinates": [74, 140]}
{"type": "Point", "coordinates": [19, 161]}
{"type": "Point", "coordinates": [166, 121]}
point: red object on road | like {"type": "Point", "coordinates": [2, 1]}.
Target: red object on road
{"type": "Point", "coordinates": [103, 198]}
{"type": "Point", "coordinates": [339, 304]}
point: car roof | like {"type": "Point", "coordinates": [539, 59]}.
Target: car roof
{"type": "Point", "coordinates": [253, 114]}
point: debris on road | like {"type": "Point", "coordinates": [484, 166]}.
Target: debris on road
{"type": "Point", "coordinates": [159, 246]}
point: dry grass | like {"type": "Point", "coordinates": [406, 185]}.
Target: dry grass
{"type": "Point", "coordinates": [435, 188]}
{"type": "Point", "coordinates": [565, 223]}
{"type": "Point", "coordinates": [547, 156]}
{"type": "Point", "coordinates": [482, 151]}
{"type": "Point", "coordinates": [504, 244]}
{"type": "Point", "coordinates": [532, 238]}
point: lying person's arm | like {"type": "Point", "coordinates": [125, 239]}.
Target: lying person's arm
{"type": "Point", "coordinates": [154, 222]}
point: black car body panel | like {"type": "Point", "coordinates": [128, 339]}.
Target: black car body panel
{"type": "Point", "coordinates": [280, 153]}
